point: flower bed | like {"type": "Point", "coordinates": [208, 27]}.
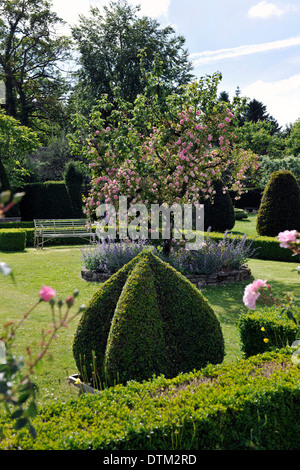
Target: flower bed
{"type": "Point", "coordinates": [215, 262]}
{"type": "Point", "coordinates": [199, 280]}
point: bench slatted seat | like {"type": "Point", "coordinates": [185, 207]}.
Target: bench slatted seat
{"type": "Point", "coordinates": [46, 229]}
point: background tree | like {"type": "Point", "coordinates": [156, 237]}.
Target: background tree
{"type": "Point", "coordinates": [110, 44]}
{"type": "Point", "coordinates": [256, 111]}
{"type": "Point", "coordinates": [190, 143]}
{"type": "Point", "coordinates": [293, 140]}
{"type": "Point", "coordinates": [16, 143]}
{"type": "Point", "coordinates": [30, 51]}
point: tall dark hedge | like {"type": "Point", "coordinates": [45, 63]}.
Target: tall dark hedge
{"type": "Point", "coordinates": [49, 200]}
{"type": "Point", "coordinates": [147, 319]}
{"type": "Point", "coordinates": [74, 181]}
{"type": "Point", "coordinates": [280, 205]}
{"type": "Point", "coordinates": [5, 186]}
{"type": "Point", "coordinates": [219, 215]}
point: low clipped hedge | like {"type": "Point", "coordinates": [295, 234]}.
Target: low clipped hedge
{"type": "Point", "coordinates": [250, 404]}
{"type": "Point", "coordinates": [267, 248]}
{"type": "Point", "coordinates": [278, 330]}
{"type": "Point", "coordinates": [13, 239]}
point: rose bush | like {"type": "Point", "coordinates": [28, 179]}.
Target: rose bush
{"type": "Point", "coordinates": [17, 389]}
{"type": "Point", "coordinates": [289, 239]}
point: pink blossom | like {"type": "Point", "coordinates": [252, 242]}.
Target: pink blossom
{"type": "Point", "coordinates": [251, 293]}
{"type": "Point", "coordinates": [47, 293]}
{"type": "Point", "coordinates": [287, 237]}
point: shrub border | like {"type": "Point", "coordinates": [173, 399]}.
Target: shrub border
{"type": "Point", "coordinates": [249, 404]}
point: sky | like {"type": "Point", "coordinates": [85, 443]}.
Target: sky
{"type": "Point", "coordinates": [254, 44]}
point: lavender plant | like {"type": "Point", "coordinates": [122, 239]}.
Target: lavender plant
{"type": "Point", "coordinates": [109, 256]}
{"type": "Point", "coordinates": [229, 253]}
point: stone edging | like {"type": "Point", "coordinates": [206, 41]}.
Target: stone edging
{"type": "Point", "coordinates": [199, 280]}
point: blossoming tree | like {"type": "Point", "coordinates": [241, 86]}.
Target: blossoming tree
{"type": "Point", "coordinates": [165, 151]}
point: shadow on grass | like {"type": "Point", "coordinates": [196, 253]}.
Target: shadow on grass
{"type": "Point", "coordinates": [227, 300]}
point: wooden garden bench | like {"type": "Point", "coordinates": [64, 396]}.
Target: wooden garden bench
{"type": "Point", "coordinates": [46, 229]}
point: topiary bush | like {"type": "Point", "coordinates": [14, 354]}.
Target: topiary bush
{"type": "Point", "coordinates": [13, 239]}
{"type": "Point", "coordinates": [147, 319]}
{"type": "Point", "coordinates": [74, 181]}
{"type": "Point", "coordinates": [219, 215]}
{"type": "Point", "coordinates": [280, 205]}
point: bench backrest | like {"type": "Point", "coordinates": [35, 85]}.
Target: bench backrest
{"type": "Point", "coordinates": [60, 225]}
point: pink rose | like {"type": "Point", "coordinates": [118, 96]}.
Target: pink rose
{"type": "Point", "coordinates": [47, 293]}
{"type": "Point", "coordinates": [287, 237]}
{"type": "Point", "coordinates": [250, 297]}
{"type": "Point", "coordinates": [251, 293]}
{"type": "Point", "coordinates": [258, 284]}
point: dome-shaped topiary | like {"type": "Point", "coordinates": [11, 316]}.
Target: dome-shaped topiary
{"type": "Point", "coordinates": [147, 319]}
{"type": "Point", "coordinates": [280, 205]}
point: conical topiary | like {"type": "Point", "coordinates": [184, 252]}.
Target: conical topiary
{"type": "Point", "coordinates": [219, 215]}
{"type": "Point", "coordinates": [147, 319]}
{"type": "Point", "coordinates": [280, 205]}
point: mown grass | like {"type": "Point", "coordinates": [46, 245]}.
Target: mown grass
{"type": "Point", "coordinates": [59, 267]}
{"type": "Point", "coordinates": [247, 226]}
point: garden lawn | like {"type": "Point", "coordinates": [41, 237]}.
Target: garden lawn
{"type": "Point", "coordinates": [59, 267]}
{"type": "Point", "coordinates": [247, 226]}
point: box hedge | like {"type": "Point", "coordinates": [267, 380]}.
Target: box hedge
{"type": "Point", "coordinates": [278, 329]}
{"type": "Point", "coordinates": [267, 248]}
{"type": "Point", "coordinates": [249, 404]}
{"type": "Point", "coordinates": [13, 239]}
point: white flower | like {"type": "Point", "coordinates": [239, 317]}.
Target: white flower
{"type": "Point", "coordinates": [5, 268]}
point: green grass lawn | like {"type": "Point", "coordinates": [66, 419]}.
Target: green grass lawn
{"type": "Point", "coordinates": [246, 226]}
{"type": "Point", "coordinates": [59, 267]}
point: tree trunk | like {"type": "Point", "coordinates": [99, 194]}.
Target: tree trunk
{"type": "Point", "coordinates": [10, 99]}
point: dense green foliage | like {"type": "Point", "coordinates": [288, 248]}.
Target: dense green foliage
{"type": "Point", "coordinates": [219, 215]}
{"type": "Point", "coordinates": [210, 409]}
{"type": "Point", "coordinates": [49, 200]}
{"type": "Point", "coordinates": [12, 239]}
{"type": "Point", "coordinates": [279, 330]}
{"type": "Point", "coordinates": [30, 50]}
{"type": "Point", "coordinates": [269, 165]}
{"type": "Point", "coordinates": [74, 182]}
{"type": "Point", "coordinates": [110, 42]}
{"type": "Point", "coordinates": [280, 205]}
{"type": "Point", "coordinates": [133, 324]}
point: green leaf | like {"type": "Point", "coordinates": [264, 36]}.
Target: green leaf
{"type": "Point", "coordinates": [291, 316]}
{"type": "Point", "coordinates": [23, 397]}
{"type": "Point", "coordinates": [17, 414]}
{"type": "Point", "coordinates": [32, 409]}
{"type": "Point", "coordinates": [21, 423]}
{"type": "Point", "coordinates": [32, 432]}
